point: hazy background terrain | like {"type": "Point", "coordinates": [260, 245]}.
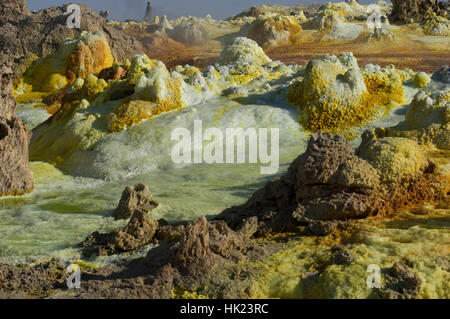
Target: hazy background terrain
{"type": "Point", "coordinates": [135, 9]}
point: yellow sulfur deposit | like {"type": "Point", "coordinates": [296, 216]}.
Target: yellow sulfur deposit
{"type": "Point", "coordinates": [421, 79]}
{"type": "Point", "coordinates": [139, 65]}
{"type": "Point", "coordinates": [335, 95]}
{"type": "Point", "coordinates": [92, 86]}
{"type": "Point", "coordinates": [382, 90]}
{"type": "Point", "coordinates": [135, 111]}
{"type": "Point", "coordinates": [420, 236]}
{"type": "Point", "coordinates": [181, 293]}
{"type": "Point", "coordinates": [395, 158]}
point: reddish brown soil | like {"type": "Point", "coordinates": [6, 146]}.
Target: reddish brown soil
{"type": "Point", "coordinates": [404, 53]}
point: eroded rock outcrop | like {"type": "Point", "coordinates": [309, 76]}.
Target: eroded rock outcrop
{"type": "Point", "coordinates": [42, 32]}
{"type": "Point", "coordinates": [139, 232]}
{"type": "Point", "coordinates": [40, 280]}
{"type": "Point", "coordinates": [409, 11]}
{"type": "Point", "coordinates": [135, 203]}
{"type": "Point", "coordinates": [16, 177]}
{"type": "Point", "coordinates": [206, 244]}
{"type": "Point", "coordinates": [13, 10]}
{"type": "Point", "coordinates": [88, 54]}
{"type": "Point", "coordinates": [200, 245]}
{"type": "Point", "coordinates": [329, 184]}
{"type": "Point", "coordinates": [243, 50]}
{"type": "Point", "coordinates": [400, 282]}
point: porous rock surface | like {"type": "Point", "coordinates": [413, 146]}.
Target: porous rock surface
{"type": "Point", "coordinates": [408, 11]}
{"type": "Point", "coordinates": [400, 282]}
{"type": "Point", "coordinates": [329, 185]}
{"type": "Point", "coordinates": [16, 177]}
{"type": "Point", "coordinates": [139, 232]}
{"type": "Point", "coordinates": [134, 198]}
{"type": "Point", "coordinates": [88, 54]}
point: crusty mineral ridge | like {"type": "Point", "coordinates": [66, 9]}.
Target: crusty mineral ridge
{"type": "Point", "coordinates": [381, 34]}
{"type": "Point", "coordinates": [147, 90]}
{"type": "Point", "coordinates": [350, 8]}
{"type": "Point", "coordinates": [409, 11]}
{"type": "Point", "coordinates": [200, 244]}
{"type": "Point", "coordinates": [16, 177]}
{"type": "Point", "coordinates": [134, 198]}
{"type": "Point", "coordinates": [204, 244]}
{"type": "Point", "coordinates": [329, 184]}
{"type": "Point", "coordinates": [400, 282]}
{"type": "Point", "coordinates": [257, 11]}
{"type": "Point", "coordinates": [41, 33]}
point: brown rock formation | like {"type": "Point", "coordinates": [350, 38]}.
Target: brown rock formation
{"type": "Point", "coordinates": [115, 72]}
{"type": "Point", "coordinates": [327, 186]}
{"type": "Point", "coordinates": [133, 199]}
{"type": "Point", "coordinates": [12, 10]}
{"type": "Point", "coordinates": [409, 11]}
{"type": "Point", "coordinates": [206, 244]}
{"type": "Point", "coordinates": [16, 177]}
{"type": "Point", "coordinates": [139, 232]}
{"type": "Point", "coordinates": [400, 282]}
{"type": "Point", "coordinates": [40, 280]}
{"type": "Point", "coordinates": [193, 245]}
